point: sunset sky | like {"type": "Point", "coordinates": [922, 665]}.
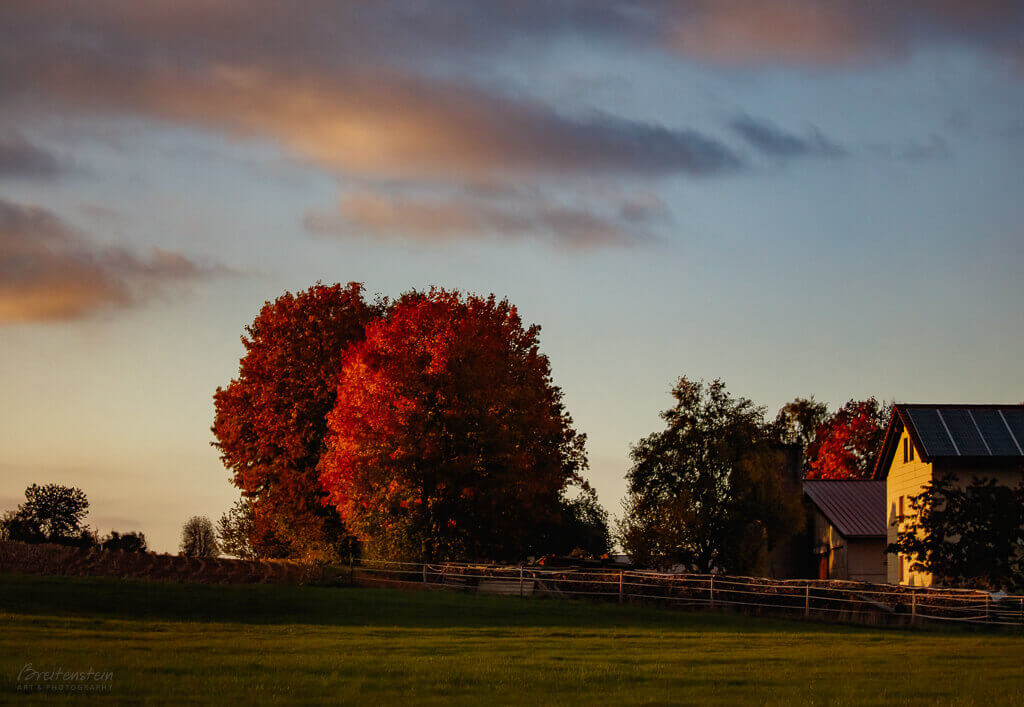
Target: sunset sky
{"type": "Point", "coordinates": [802, 197]}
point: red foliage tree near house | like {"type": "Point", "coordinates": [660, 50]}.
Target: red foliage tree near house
{"type": "Point", "coordinates": [845, 445]}
{"type": "Point", "coordinates": [270, 421]}
{"type": "Point", "coordinates": [449, 439]}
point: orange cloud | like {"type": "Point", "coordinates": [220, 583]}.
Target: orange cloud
{"type": "Point", "coordinates": [48, 271]}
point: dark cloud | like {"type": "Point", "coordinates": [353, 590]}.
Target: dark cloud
{"type": "Point", "coordinates": [20, 158]}
{"type": "Point", "coordinates": [777, 143]}
{"type": "Point", "coordinates": [49, 271]}
{"type": "Point", "coordinates": [355, 106]}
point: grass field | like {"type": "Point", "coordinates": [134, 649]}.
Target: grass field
{"type": "Point", "coordinates": [227, 644]}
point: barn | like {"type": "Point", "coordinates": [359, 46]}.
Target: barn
{"type": "Point", "coordinates": [846, 523]}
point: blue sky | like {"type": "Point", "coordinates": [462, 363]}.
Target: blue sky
{"type": "Point", "coordinates": [798, 197]}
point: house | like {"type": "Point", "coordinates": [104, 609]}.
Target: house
{"type": "Point", "coordinates": [846, 525]}
{"type": "Point", "coordinates": [925, 442]}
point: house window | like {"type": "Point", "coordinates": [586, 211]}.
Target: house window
{"type": "Point", "coordinates": [905, 457]}
{"type": "Point", "coordinates": [911, 445]}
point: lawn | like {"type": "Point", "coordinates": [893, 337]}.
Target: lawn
{"type": "Point", "coordinates": [228, 644]}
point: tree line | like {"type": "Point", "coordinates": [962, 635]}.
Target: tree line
{"type": "Point", "coordinates": [429, 427]}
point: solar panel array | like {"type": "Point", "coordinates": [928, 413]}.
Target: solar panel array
{"type": "Point", "coordinates": [969, 431]}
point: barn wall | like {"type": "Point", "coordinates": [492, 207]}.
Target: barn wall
{"type": "Point", "coordinates": [866, 559]}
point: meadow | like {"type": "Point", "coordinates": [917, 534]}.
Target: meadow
{"type": "Point", "coordinates": [165, 642]}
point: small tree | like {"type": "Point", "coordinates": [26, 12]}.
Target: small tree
{"type": "Point", "coordinates": [969, 536]}
{"type": "Point", "coordinates": [234, 530]}
{"type": "Point", "coordinates": [124, 542]}
{"type": "Point", "coordinates": [50, 513]}
{"type": "Point", "coordinates": [198, 538]}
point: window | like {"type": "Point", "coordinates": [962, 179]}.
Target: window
{"type": "Point", "coordinates": [911, 445]}
{"type": "Point", "coordinates": [901, 568]}
{"type": "Point", "coordinates": [905, 457]}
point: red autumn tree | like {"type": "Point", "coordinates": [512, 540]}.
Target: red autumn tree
{"type": "Point", "coordinates": [449, 439]}
{"type": "Point", "coordinates": [270, 421]}
{"type": "Point", "coordinates": [845, 445]}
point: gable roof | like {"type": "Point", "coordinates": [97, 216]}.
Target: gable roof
{"type": "Point", "coordinates": [955, 431]}
{"type": "Point", "coordinates": [855, 508]}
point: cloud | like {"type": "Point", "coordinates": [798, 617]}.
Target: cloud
{"type": "Point", "coordinates": [329, 87]}
{"type": "Point", "coordinates": [502, 214]}
{"type": "Point", "coordinates": [51, 272]}
{"type": "Point", "coordinates": [779, 144]}
{"type": "Point", "coordinates": [834, 33]}
{"type": "Point", "coordinates": [20, 158]}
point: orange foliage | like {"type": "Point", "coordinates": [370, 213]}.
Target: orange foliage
{"type": "Point", "coordinates": [845, 445]}
{"type": "Point", "coordinates": [448, 439]}
{"type": "Point", "coordinates": [270, 421]}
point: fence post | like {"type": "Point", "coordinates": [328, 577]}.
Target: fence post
{"type": "Point", "coordinates": [520, 581]}
{"type": "Point", "coordinates": [424, 573]}
{"type": "Point", "coordinates": [913, 608]}
{"type": "Point", "coordinates": [987, 608]}
{"type": "Point", "coordinates": [712, 591]}
{"type": "Point", "coordinates": [807, 599]}
{"type": "Point", "coordinates": [620, 585]}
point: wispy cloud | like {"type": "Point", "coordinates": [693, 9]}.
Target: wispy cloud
{"type": "Point", "coordinates": [21, 158]}
{"type": "Point", "coordinates": [502, 214]}
{"type": "Point", "coordinates": [50, 271]}
{"type": "Point", "coordinates": [777, 143]}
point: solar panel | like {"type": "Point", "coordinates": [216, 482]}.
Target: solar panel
{"type": "Point", "coordinates": [991, 424]}
{"type": "Point", "coordinates": [965, 434]}
{"type": "Point", "coordinates": [1015, 419]}
{"type": "Point", "coordinates": [932, 432]}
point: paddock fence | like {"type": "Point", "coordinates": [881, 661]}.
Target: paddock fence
{"type": "Point", "coordinates": [858, 602]}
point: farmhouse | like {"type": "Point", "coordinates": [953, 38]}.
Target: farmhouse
{"type": "Point", "coordinates": [846, 522]}
{"type": "Point", "coordinates": [924, 442]}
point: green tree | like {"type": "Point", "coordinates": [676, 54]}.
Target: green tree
{"type": "Point", "coordinates": [235, 531]}
{"type": "Point", "coordinates": [798, 421]}
{"type": "Point", "coordinates": [124, 542]}
{"type": "Point", "coordinates": [709, 491]}
{"type": "Point", "coordinates": [198, 538]}
{"type": "Point", "coordinates": [50, 513]}
{"type": "Point", "coordinates": [966, 536]}
{"type": "Point", "coordinates": [581, 529]}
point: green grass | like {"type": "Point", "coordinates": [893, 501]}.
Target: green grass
{"type": "Point", "coordinates": [229, 644]}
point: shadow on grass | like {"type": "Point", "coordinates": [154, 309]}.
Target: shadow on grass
{"type": "Point", "coordinates": [346, 606]}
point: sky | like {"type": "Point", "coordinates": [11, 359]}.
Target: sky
{"type": "Point", "coordinates": [803, 197]}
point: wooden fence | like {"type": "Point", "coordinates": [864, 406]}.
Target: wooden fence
{"type": "Point", "coordinates": [844, 601]}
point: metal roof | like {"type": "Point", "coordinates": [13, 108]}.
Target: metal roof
{"type": "Point", "coordinates": [855, 508]}
{"type": "Point", "coordinates": [956, 431]}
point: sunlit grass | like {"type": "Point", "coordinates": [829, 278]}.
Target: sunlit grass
{"type": "Point", "coordinates": [227, 644]}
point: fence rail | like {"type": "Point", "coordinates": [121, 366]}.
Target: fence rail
{"type": "Point", "coordinates": [846, 601]}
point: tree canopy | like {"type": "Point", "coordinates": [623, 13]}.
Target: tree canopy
{"type": "Point", "coordinates": [845, 444]}
{"type": "Point", "coordinates": [50, 513]}
{"type": "Point", "coordinates": [966, 535]}
{"type": "Point", "coordinates": [449, 439]}
{"type": "Point", "coordinates": [198, 538]}
{"type": "Point", "coordinates": [709, 491]}
{"type": "Point", "coordinates": [270, 421]}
